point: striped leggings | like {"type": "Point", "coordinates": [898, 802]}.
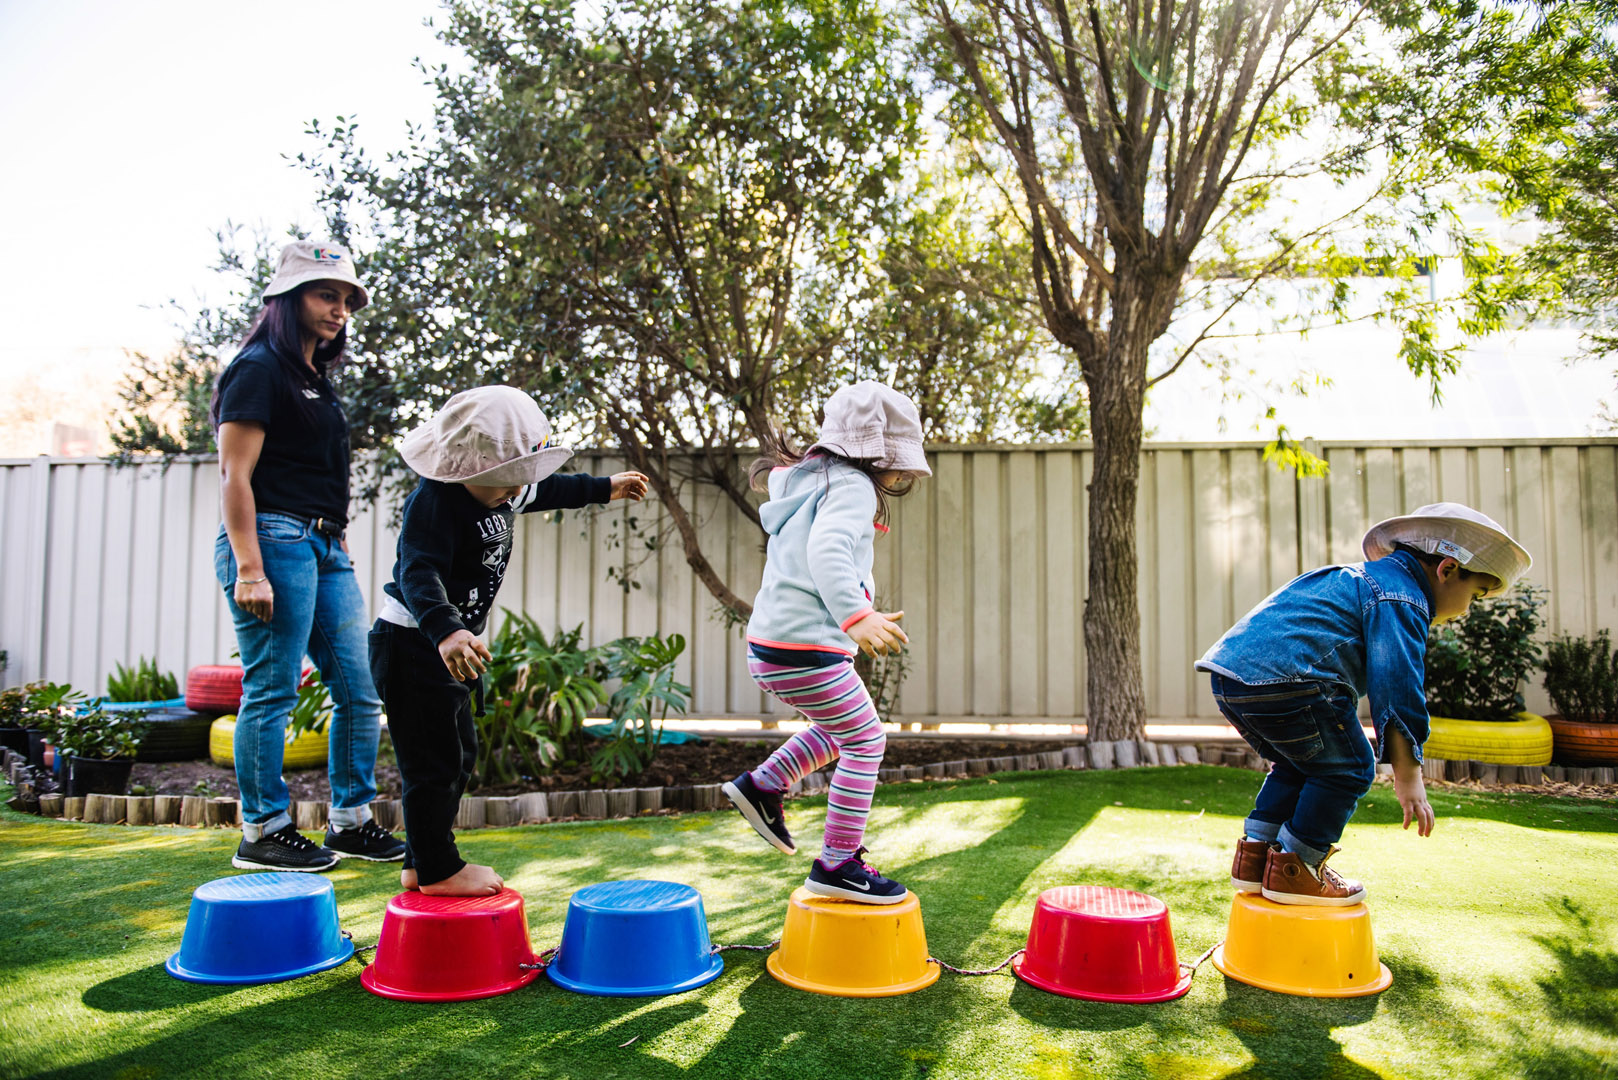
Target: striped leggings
{"type": "Point", "coordinates": [844, 728]}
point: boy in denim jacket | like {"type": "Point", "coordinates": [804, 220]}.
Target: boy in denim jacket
{"type": "Point", "coordinates": [1289, 677]}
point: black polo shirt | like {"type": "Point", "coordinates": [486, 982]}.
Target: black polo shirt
{"type": "Point", "coordinates": [303, 468]}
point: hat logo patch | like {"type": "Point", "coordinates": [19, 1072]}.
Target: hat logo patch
{"type": "Point", "coordinates": [333, 254]}
{"type": "Point", "coordinates": [1453, 550]}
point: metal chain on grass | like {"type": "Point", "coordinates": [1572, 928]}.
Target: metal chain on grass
{"type": "Point", "coordinates": [358, 949]}
{"type": "Point", "coordinates": [749, 948]}
{"type": "Point", "coordinates": [976, 971]}
{"type": "Point", "coordinates": [542, 963]}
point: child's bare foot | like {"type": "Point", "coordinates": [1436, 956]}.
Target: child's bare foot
{"type": "Point", "coordinates": [407, 878]}
{"type": "Point", "coordinates": [469, 880]}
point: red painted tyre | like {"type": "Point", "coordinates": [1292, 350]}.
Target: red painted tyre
{"type": "Point", "coordinates": [214, 688]}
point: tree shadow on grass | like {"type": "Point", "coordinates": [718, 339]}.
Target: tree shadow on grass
{"type": "Point", "coordinates": [1292, 1037]}
{"type": "Point", "coordinates": [1581, 996]}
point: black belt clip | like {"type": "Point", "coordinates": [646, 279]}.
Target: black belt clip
{"type": "Point", "coordinates": [327, 528]}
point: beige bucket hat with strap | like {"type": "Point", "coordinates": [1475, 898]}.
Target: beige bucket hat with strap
{"type": "Point", "coordinates": [1475, 540]}
{"type": "Point", "coordinates": [491, 435]}
{"type": "Point", "coordinates": [876, 423]}
{"type": "Point", "coordinates": [303, 261]}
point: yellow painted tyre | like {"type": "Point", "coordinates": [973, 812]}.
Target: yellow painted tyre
{"type": "Point", "coordinates": [305, 752]}
{"type": "Point", "coordinates": [1524, 741]}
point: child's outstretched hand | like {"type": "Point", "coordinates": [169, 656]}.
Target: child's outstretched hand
{"type": "Point", "coordinates": [877, 633]}
{"type": "Point", "coordinates": [1412, 795]}
{"type": "Point", "coordinates": [464, 655]}
{"type": "Point", "coordinates": [629, 485]}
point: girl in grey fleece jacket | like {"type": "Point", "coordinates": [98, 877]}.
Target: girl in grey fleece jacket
{"type": "Point", "coordinates": [813, 609]}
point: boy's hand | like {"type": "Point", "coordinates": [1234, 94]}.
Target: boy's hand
{"type": "Point", "coordinates": [1412, 795]}
{"type": "Point", "coordinates": [464, 655]}
{"type": "Point", "coordinates": [877, 634]}
{"type": "Point", "coordinates": [629, 485]}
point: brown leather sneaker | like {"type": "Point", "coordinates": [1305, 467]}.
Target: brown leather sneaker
{"type": "Point", "coordinates": [1247, 868]}
{"type": "Point", "coordinates": [1289, 880]}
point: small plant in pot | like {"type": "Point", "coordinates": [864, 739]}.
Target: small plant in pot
{"type": "Point", "coordinates": [14, 718]}
{"type": "Point", "coordinates": [1581, 677]}
{"type": "Point", "coordinates": [1478, 664]}
{"type": "Point", "coordinates": [98, 748]}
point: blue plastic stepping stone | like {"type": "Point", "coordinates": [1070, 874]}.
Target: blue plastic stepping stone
{"type": "Point", "coordinates": [635, 939]}
{"type": "Point", "coordinates": [260, 928]}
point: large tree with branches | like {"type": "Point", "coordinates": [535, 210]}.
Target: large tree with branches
{"type": "Point", "coordinates": [1151, 146]}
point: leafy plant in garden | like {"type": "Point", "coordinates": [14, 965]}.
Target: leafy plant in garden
{"type": "Point", "coordinates": [1581, 676]}
{"type": "Point", "coordinates": [1477, 664]}
{"type": "Point", "coordinates": [647, 691]}
{"type": "Point", "coordinates": [313, 709]}
{"type": "Point", "coordinates": [143, 682]}
{"type": "Point", "coordinates": [538, 691]}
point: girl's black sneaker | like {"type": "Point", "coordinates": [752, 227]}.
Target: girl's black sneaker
{"type": "Point", "coordinates": [369, 841]}
{"type": "Point", "coordinates": [284, 849]}
{"type": "Point", "coordinates": [853, 879]}
{"type": "Point", "coordinates": [762, 809]}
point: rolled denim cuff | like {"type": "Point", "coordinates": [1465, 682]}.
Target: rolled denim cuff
{"type": "Point", "coordinates": [253, 832]}
{"type": "Point", "coordinates": [1267, 831]}
{"type": "Point", "coordinates": [1311, 855]}
{"type": "Point", "coordinates": [348, 817]}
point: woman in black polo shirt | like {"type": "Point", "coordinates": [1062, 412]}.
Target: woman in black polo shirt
{"type": "Point", "coordinates": [283, 563]}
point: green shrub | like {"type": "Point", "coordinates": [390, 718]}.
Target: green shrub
{"type": "Point", "coordinates": [141, 683]}
{"type": "Point", "coordinates": [1581, 676]}
{"type": "Point", "coordinates": [1477, 664]}
{"type": "Point", "coordinates": [313, 709]}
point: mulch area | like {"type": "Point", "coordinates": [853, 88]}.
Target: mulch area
{"type": "Point", "coordinates": [712, 761]}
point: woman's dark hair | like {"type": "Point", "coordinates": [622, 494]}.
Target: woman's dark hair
{"type": "Point", "coordinates": [779, 453]}
{"type": "Point", "coordinates": [1431, 560]}
{"type": "Point", "coordinates": [278, 329]}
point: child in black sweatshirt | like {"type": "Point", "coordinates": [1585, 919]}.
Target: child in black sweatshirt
{"type": "Point", "coordinates": [484, 458]}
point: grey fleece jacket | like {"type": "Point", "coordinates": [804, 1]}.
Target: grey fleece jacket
{"type": "Point", "coordinates": [821, 520]}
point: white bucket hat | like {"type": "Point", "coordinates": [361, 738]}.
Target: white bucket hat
{"type": "Point", "coordinates": [490, 435]}
{"type": "Point", "coordinates": [310, 260]}
{"type": "Point", "coordinates": [1474, 540]}
{"type": "Point", "coordinates": [874, 422]}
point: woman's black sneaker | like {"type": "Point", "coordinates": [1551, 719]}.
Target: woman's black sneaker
{"type": "Point", "coordinates": [284, 849]}
{"type": "Point", "coordinates": [369, 841]}
{"type": "Point", "coordinates": [762, 809]}
{"type": "Point", "coordinates": [853, 879]}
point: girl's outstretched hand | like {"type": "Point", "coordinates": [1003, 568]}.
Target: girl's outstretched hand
{"type": "Point", "coordinates": [629, 485]}
{"type": "Point", "coordinates": [878, 634]}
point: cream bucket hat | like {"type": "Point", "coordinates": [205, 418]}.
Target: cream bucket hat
{"type": "Point", "coordinates": [491, 435]}
{"type": "Point", "coordinates": [877, 423]}
{"type": "Point", "coordinates": [309, 260]}
{"type": "Point", "coordinates": [1474, 540]}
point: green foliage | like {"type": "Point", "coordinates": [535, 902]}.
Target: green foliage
{"type": "Point", "coordinates": [1477, 664]}
{"type": "Point", "coordinates": [1581, 676]}
{"type": "Point", "coordinates": [312, 711]}
{"type": "Point", "coordinates": [540, 689]}
{"type": "Point", "coordinates": [69, 725]}
{"type": "Point", "coordinates": [143, 682]}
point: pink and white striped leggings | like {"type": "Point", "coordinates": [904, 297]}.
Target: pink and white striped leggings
{"type": "Point", "coordinates": [845, 728]}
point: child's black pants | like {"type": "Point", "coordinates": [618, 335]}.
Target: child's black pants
{"type": "Point", "coordinates": [434, 738]}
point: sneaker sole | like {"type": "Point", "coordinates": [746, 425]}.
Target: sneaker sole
{"type": "Point", "coordinates": [341, 855]}
{"type": "Point", "coordinates": [1246, 886]}
{"type": "Point", "coordinates": [753, 818]}
{"type": "Point", "coordinates": [1304, 900]}
{"type": "Point", "coordinates": [247, 864]}
{"type": "Point", "coordinates": [855, 895]}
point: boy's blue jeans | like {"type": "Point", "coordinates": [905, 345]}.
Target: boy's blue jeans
{"type": "Point", "coordinates": [319, 612]}
{"type": "Point", "coordinates": [1323, 761]}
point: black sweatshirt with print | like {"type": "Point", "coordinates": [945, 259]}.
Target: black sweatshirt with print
{"type": "Point", "coordinates": [453, 550]}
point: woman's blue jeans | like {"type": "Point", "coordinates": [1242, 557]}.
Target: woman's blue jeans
{"type": "Point", "coordinates": [318, 612]}
{"type": "Point", "coordinates": [1323, 763]}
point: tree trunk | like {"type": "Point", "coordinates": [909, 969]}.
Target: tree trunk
{"type": "Point", "coordinates": [1115, 699]}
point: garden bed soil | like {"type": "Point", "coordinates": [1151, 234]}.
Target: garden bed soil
{"type": "Point", "coordinates": [712, 761]}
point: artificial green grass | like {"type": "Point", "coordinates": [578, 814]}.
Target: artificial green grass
{"type": "Point", "coordinates": [1500, 931]}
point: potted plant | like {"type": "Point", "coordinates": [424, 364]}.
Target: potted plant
{"type": "Point", "coordinates": [98, 748]}
{"type": "Point", "coordinates": [1581, 677]}
{"type": "Point", "coordinates": [140, 688]}
{"type": "Point", "coordinates": [1477, 667]}
{"type": "Point", "coordinates": [13, 719]}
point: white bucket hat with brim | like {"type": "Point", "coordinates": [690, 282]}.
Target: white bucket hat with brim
{"type": "Point", "coordinates": [1474, 540]}
{"type": "Point", "coordinates": [491, 435]}
{"type": "Point", "coordinates": [303, 261]}
{"type": "Point", "coordinates": [876, 423]}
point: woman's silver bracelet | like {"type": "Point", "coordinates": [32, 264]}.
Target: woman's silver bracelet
{"type": "Point", "coordinates": [251, 580]}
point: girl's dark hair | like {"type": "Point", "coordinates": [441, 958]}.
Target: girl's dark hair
{"type": "Point", "coordinates": [1431, 560]}
{"type": "Point", "coordinates": [278, 328]}
{"type": "Point", "coordinates": [780, 453]}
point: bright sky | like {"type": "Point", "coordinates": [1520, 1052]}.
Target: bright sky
{"type": "Point", "coordinates": [132, 131]}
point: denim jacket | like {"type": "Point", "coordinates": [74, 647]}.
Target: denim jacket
{"type": "Point", "coordinates": [1362, 626]}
